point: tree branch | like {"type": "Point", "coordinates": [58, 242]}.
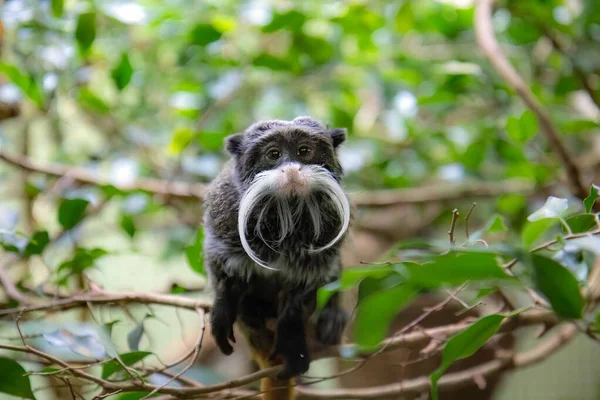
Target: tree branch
{"type": "Point", "coordinates": [111, 298]}
{"type": "Point", "coordinates": [489, 46]}
{"type": "Point", "coordinates": [452, 380]}
{"type": "Point", "coordinates": [373, 198]}
{"type": "Point", "coordinates": [80, 175]}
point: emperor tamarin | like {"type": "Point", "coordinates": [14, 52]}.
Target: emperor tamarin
{"type": "Point", "coordinates": [275, 219]}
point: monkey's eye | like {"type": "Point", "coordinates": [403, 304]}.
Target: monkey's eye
{"type": "Point", "coordinates": [273, 154]}
{"type": "Point", "coordinates": [304, 150]}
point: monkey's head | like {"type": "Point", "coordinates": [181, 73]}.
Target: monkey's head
{"type": "Point", "coordinates": [288, 172]}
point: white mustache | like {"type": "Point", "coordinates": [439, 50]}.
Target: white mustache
{"type": "Point", "coordinates": [265, 185]}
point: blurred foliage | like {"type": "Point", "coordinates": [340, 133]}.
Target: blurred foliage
{"type": "Point", "coordinates": [150, 89]}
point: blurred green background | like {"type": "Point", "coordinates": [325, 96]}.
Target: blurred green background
{"type": "Point", "coordinates": [131, 89]}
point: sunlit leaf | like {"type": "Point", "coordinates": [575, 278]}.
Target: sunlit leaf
{"type": "Point", "coordinates": [28, 84]}
{"type": "Point", "coordinates": [180, 139]}
{"type": "Point", "coordinates": [292, 20]}
{"type": "Point", "coordinates": [92, 102]}
{"type": "Point", "coordinates": [405, 18]}
{"type": "Point", "coordinates": [533, 230]}
{"type": "Point", "coordinates": [558, 285]}
{"type": "Point", "coordinates": [465, 344]}
{"type": "Point", "coordinates": [126, 358]}
{"type": "Point", "coordinates": [13, 379]}
{"type": "Point", "coordinates": [57, 8]}
{"type": "Point", "coordinates": [553, 207]}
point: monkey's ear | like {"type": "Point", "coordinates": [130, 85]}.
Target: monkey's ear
{"type": "Point", "coordinates": [233, 143]}
{"type": "Point", "coordinates": [338, 135]}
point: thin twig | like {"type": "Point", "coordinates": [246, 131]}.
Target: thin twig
{"type": "Point", "coordinates": [467, 220]}
{"type": "Point", "coordinates": [455, 214]}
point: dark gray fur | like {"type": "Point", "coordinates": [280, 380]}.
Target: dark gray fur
{"type": "Point", "coordinates": [244, 289]}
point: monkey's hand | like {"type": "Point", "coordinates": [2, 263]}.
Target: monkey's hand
{"type": "Point", "coordinates": [222, 326]}
{"type": "Point", "coordinates": [330, 323]}
{"type": "Point", "coordinates": [294, 352]}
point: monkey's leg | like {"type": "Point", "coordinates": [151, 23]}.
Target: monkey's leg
{"type": "Point", "coordinates": [331, 322]}
{"type": "Point", "coordinates": [290, 336]}
{"type": "Point", "coordinates": [224, 312]}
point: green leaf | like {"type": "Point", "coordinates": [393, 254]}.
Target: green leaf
{"type": "Point", "coordinates": [405, 18]}
{"type": "Point", "coordinates": [126, 358]}
{"type": "Point", "coordinates": [521, 130]}
{"type": "Point", "coordinates": [180, 139]}
{"type": "Point", "coordinates": [82, 259]}
{"type": "Point", "coordinates": [123, 72]}
{"type": "Point", "coordinates": [13, 380]}
{"type": "Point", "coordinates": [351, 276]}
{"type": "Point", "coordinates": [558, 285]}
{"type": "Point", "coordinates": [533, 230]}
{"type": "Point", "coordinates": [28, 84]}
{"type": "Point", "coordinates": [291, 20]}
{"type": "Point", "coordinates": [271, 62]}
{"type": "Point", "coordinates": [195, 254]}
{"type": "Point", "coordinates": [203, 34]}
{"type": "Point", "coordinates": [376, 313]}
{"type": "Point", "coordinates": [370, 285]}
{"type": "Point", "coordinates": [71, 212]}
{"type": "Point", "coordinates": [497, 225]}
{"type": "Point", "coordinates": [465, 344]}
{"type": "Point", "coordinates": [591, 199]}
{"type": "Point", "coordinates": [57, 8]}
{"type": "Point", "coordinates": [128, 225]}
{"type": "Point", "coordinates": [92, 102]}
{"type": "Point", "coordinates": [582, 223]}
{"type": "Point", "coordinates": [454, 268]}
{"type": "Point", "coordinates": [325, 292]}
{"type": "Point", "coordinates": [578, 126]}
{"type": "Point", "coordinates": [37, 243]}
{"type": "Point", "coordinates": [85, 32]}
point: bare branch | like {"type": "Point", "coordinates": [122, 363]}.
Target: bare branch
{"type": "Point", "coordinates": [375, 198]}
{"type": "Point", "coordinates": [80, 175]}
{"type": "Point", "coordinates": [489, 46]}
{"type": "Point", "coordinates": [453, 380]}
{"type": "Point", "coordinates": [455, 214]}
{"type": "Point", "coordinates": [112, 298]}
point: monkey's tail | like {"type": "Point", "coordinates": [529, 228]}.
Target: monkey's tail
{"type": "Point", "coordinates": [273, 389]}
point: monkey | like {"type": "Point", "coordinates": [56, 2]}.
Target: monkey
{"type": "Point", "coordinates": [275, 219]}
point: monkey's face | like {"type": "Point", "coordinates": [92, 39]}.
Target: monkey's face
{"type": "Point", "coordinates": [289, 173]}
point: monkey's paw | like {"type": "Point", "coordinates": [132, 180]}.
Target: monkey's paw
{"type": "Point", "coordinates": [330, 325]}
{"type": "Point", "coordinates": [294, 365]}
{"type": "Point", "coordinates": [222, 330]}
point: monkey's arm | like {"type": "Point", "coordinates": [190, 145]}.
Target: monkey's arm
{"type": "Point", "coordinates": [290, 335]}
{"type": "Point", "coordinates": [331, 322]}
{"type": "Point", "coordinates": [228, 291]}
